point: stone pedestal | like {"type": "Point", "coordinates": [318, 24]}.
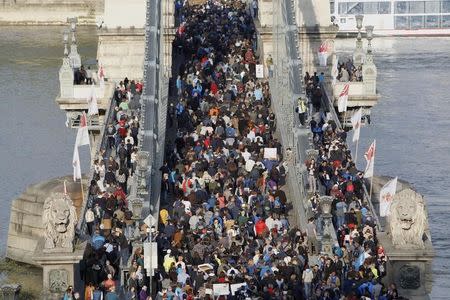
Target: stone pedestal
{"type": "Point", "coordinates": [310, 39]}
{"type": "Point", "coordinates": [409, 269]}
{"type": "Point", "coordinates": [66, 78]}
{"type": "Point", "coordinates": [58, 270]}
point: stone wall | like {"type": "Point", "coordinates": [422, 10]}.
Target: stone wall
{"type": "Point", "coordinates": [121, 52]}
{"type": "Point", "coordinates": [50, 12]}
{"type": "Point", "coordinates": [25, 226]}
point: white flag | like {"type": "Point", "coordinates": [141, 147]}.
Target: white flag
{"type": "Point", "coordinates": [356, 123]}
{"type": "Point", "coordinates": [92, 101]}
{"type": "Point", "coordinates": [76, 164]}
{"type": "Point", "coordinates": [370, 159]}
{"type": "Point", "coordinates": [387, 196]}
{"type": "Point", "coordinates": [343, 98]}
{"type": "Point", "coordinates": [83, 132]}
{"type": "Point", "coordinates": [334, 70]}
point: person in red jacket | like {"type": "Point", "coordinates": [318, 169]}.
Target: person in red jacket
{"type": "Point", "coordinates": [261, 227]}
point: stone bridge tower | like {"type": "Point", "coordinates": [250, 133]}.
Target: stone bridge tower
{"type": "Point", "coordinates": [313, 20]}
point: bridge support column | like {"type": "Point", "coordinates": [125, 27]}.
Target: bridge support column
{"type": "Point", "coordinates": [59, 270]}
{"type": "Point", "coordinates": [310, 39]}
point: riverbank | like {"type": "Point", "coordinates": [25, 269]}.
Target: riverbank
{"type": "Point", "coordinates": [29, 277]}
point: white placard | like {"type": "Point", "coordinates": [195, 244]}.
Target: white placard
{"type": "Point", "coordinates": [259, 71]}
{"type": "Point", "coordinates": [235, 287]}
{"type": "Point", "coordinates": [221, 289]}
{"type": "Point", "coordinates": [205, 267]}
{"type": "Point", "coordinates": [270, 153]}
{"type": "Point", "coordinates": [208, 291]}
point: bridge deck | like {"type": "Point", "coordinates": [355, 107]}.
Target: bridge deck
{"type": "Point", "coordinates": [224, 214]}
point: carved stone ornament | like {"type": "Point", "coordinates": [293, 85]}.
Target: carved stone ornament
{"type": "Point", "coordinates": [409, 277]}
{"type": "Point", "coordinates": [59, 219]}
{"type": "Point", "coordinates": [407, 220]}
{"type": "Point", "coordinates": [58, 280]}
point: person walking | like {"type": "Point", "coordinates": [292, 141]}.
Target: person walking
{"type": "Point", "coordinates": [307, 277]}
{"type": "Point", "coordinates": [111, 295]}
{"type": "Point", "coordinates": [312, 236]}
{"type": "Point", "coordinates": [311, 167]}
{"type": "Point", "coordinates": [302, 110]}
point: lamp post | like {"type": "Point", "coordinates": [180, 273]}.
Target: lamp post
{"type": "Point", "coordinates": [75, 59]}
{"type": "Point", "coordinates": [358, 55]}
{"type": "Point", "coordinates": [369, 36]}
{"type": "Point", "coordinates": [325, 205]}
{"type": "Point", "coordinates": [143, 158]}
{"type": "Point", "coordinates": [65, 40]}
{"type": "Point", "coordinates": [66, 75]}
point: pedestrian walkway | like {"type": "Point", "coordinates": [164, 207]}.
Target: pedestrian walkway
{"type": "Point", "coordinates": [225, 217]}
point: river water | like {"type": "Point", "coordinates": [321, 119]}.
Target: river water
{"type": "Point", "coordinates": [411, 122]}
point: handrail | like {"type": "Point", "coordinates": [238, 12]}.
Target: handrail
{"type": "Point", "coordinates": [81, 225]}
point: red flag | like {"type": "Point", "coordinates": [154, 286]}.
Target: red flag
{"type": "Point", "coordinates": [323, 47]}
{"type": "Point", "coordinates": [343, 98]}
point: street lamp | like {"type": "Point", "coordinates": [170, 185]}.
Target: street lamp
{"type": "Point", "coordinates": [65, 40]}
{"type": "Point", "coordinates": [325, 205]}
{"type": "Point", "coordinates": [369, 36]}
{"type": "Point", "coordinates": [143, 161]}
{"type": "Point", "coordinates": [358, 56]}
{"type": "Point", "coordinates": [75, 58]}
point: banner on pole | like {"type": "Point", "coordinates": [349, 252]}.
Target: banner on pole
{"type": "Point", "coordinates": [370, 159]}
{"type": "Point", "coordinates": [343, 98]}
{"type": "Point", "coordinates": [356, 123]}
{"type": "Point", "coordinates": [387, 194]}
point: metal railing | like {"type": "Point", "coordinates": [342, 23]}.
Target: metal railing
{"type": "Point", "coordinates": [154, 103]}
{"type": "Point", "coordinates": [109, 117]}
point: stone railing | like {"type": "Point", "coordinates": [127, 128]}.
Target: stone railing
{"type": "Point", "coordinates": [286, 88]}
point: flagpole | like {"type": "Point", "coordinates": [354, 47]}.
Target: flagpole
{"type": "Point", "coordinates": [373, 170]}
{"type": "Point", "coordinates": [345, 118]}
{"type": "Point", "coordinates": [356, 152]}
{"type": "Point", "coordinates": [82, 190]}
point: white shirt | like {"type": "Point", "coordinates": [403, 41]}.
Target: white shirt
{"type": "Point", "coordinates": [249, 165]}
{"type": "Point", "coordinates": [89, 216]}
{"type": "Point", "coordinates": [246, 155]}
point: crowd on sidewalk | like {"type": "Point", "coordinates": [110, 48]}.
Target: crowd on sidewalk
{"type": "Point", "coordinates": [110, 228]}
{"type": "Point", "coordinates": [358, 263]}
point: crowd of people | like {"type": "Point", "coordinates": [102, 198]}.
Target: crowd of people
{"type": "Point", "coordinates": [349, 72]}
{"type": "Point", "coordinates": [224, 229]}
{"type": "Point", "coordinates": [358, 263]}
{"type": "Point", "coordinates": [110, 228]}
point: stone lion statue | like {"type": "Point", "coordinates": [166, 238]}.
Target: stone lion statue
{"type": "Point", "coordinates": [59, 218]}
{"type": "Point", "coordinates": [407, 220]}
